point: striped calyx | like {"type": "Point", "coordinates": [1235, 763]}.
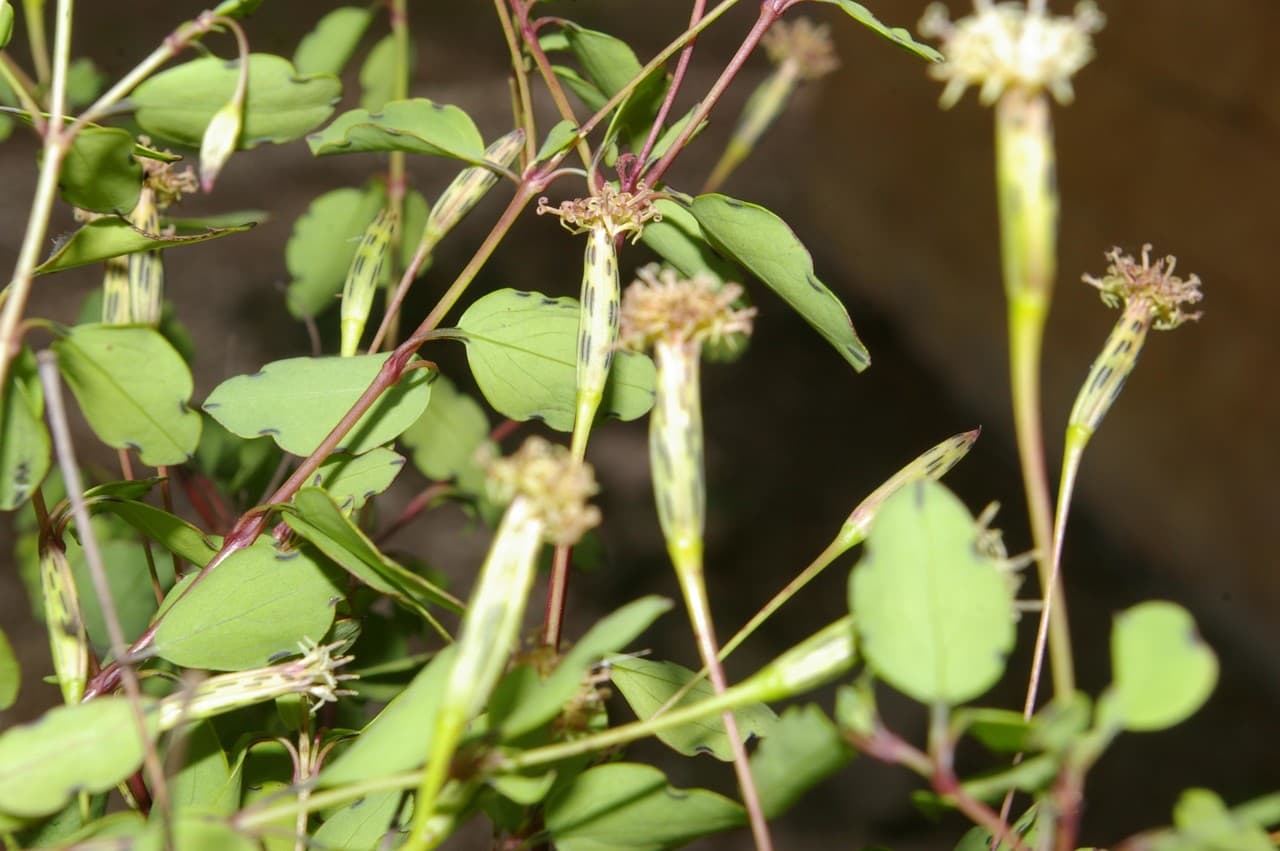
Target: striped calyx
{"type": "Point", "coordinates": [68, 641]}
{"type": "Point", "coordinates": [364, 276]}
{"type": "Point", "coordinates": [1152, 297]}
{"type": "Point", "coordinates": [1005, 46]}
{"type": "Point", "coordinates": [469, 187]}
{"type": "Point", "coordinates": [555, 487]}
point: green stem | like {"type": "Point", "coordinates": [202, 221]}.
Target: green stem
{"type": "Point", "coordinates": [13, 78]}
{"type": "Point", "coordinates": [33, 11]}
{"type": "Point", "coordinates": [523, 98]}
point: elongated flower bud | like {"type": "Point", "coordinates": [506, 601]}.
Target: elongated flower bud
{"type": "Point", "coordinates": [471, 184]}
{"type": "Point", "coordinates": [68, 641]}
{"type": "Point", "coordinates": [1152, 297]}
{"type": "Point", "coordinates": [6, 22]}
{"type": "Point", "coordinates": [220, 140]}
{"type": "Point", "coordinates": [603, 218]}
{"type": "Point", "coordinates": [818, 659]}
{"type": "Point", "coordinates": [311, 674]}
{"type": "Point", "coordinates": [363, 279]}
{"type": "Point", "coordinates": [146, 268]}
{"type": "Point", "coordinates": [547, 492]}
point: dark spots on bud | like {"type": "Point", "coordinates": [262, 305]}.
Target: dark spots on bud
{"type": "Point", "coordinates": [358, 267]}
{"type": "Point", "coordinates": [613, 313]}
{"type": "Point", "coordinates": [1136, 327]}
{"type": "Point", "coordinates": [589, 299]}
{"type": "Point", "coordinates": [591, 253]}
{"type": "Point", "coordinates": [1100, 378]}
{"type": "Point", "coordinates": [933, 466]}
{"type": "Point", "coordinates": [584, 345]}
{"type": "Point", "coordinates": [608, 360]}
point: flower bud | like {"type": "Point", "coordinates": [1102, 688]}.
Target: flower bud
{"type": "Point", "coordinates": [363, 279]}
{"type": "Point", "coordinates": [68, 641]}
{"type": "Point", "coordinates": [146, 268]}
{"type": "Point", "coordinates": [6, 22]}
{"type": "Point", "coordinates": [116, 309]}
{"type": "Point", "coordinates": [469, 187]}
{"type": "Point", "coordinates": [220, 140]}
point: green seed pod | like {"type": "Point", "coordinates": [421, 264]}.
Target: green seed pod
{"type": "Point", "coordinates": [820, 658]}
{"type": "Point", "coordinates": [363, 279]}
{"type": "Point", "coordinates": [469, 187]}
{"type": "Point", "coordinates": [597, 331]}
{"type": "Point", "coordinates": [116, 308]}
{"type": "Point", "coordinates": [220, 140]}
{"type": "Point", "coordinates": [68, 641]}
{"type": "Point", "coordinates": [146, 268]}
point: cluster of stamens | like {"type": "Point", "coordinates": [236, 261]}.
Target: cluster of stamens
{"type": "Point", "coordinates": [1006, 45]}
{"type": "Point", "coordinates": [1160, 291]}
{"type": "Point", "coordinates": [804, 44]}
{"type": "Point", "coordinates": [615, 211]}
{"type": "Point", "coordinates": [167, 181]}
{"type": "Point", "coordinates": [662, 305]}
{"type": "Point", "coordinates": [556, 486]}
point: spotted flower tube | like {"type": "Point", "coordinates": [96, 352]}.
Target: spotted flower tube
{"type": "Point", "coordinates": [604, 218]}
{"type": "Point", "coordinates": [800, 51]}
{"type": "Point", "coordinates": [68, 640]}
{"type": "Point", "coordinates": [364, 277]}
{"type": "Point", "coordinates": [676, 316]}
{"type": "Point", "coordinates": [1018, 55]}
{"type": "Point", "coordinates": [546, 492]}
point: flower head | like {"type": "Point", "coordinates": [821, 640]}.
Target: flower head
{"type": "Point", "coordinates": [1162, 292]}
{"type": "Point", "coordinates": [660, 304]}
{"type": "Point", "coordinates": [804, 44]}
{"type": "Point", "coordinates": [164, 178]}
{"type": "Point", "coordinates": [1007, 45]}
{"type": "Point", "coordinates": [617, 212]}
{"type": "Point", "coordinates": [557, 487]}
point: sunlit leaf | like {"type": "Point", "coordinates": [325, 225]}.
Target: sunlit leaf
{"type": "Point", "coordinates": [898, 35]}
{"type": "Point", "coordinates": [328, 47]}
{"type": "Point", "coordinates": [110, 237]}
{"type": "Point", "coordinates": [415, 126]}
{"type": "Point", "coordinates": [1162, 670]}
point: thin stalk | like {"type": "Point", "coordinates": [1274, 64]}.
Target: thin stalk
{"type": "Point", "coordinates": [16, 80]}
{"type": "Point", "coordinates": [677, 78]}
{"type": "Point", "coordinates": [524, 101]}
{"type": "Point", "coordinates": [557, 596]}
{"type": "Point", "coordinates": [397, 183]}
{"type": "Point", "coordinates": [768, 14]}
{"type": "Point", "coordinates": [33, 12]}
{"type": "Point", "coordinates": [47, 365]}
{"type": "Point", "coordinates": [529, 35]}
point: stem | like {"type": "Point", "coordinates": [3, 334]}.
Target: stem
{"type": "Point", "coordinates": [682, 66]}
{"type": "Point", "coordinates": [529, 35]}
{"type": "Point", "coordinates": [768, 14]}
{"type": "Point", "coordinates": [525, 116]}
{"type": "Point", "coordinates": [34, 13]}
{"type": "Point", "coordinates": [557, 595]}
{"type": "Point", "coordinates": [47, 365]}
{"type": "Point", "coordinates": [16, 80]}
{"type": "Point", "coordinates": [396, 180]}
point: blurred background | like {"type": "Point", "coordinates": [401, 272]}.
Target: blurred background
{"type": "Point", "coordinates": [1173, 140]}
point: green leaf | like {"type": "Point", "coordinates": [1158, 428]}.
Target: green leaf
{"type": "Point", "coordinates": [257, 604]}
{"type": "Point", "coordinates": [84, 747]}
{"type": "Point", "coordinates": [1204, 823]}
{"type": "Point", "coordinates": [934, 614]}
{"type": "Point", "coordinates": [802, 749]}
{"type": "Point", "coordinates": [242, 467]}
{"type": "Point", "coordinates": [316, 517]}
{"type": "Point", "coordinates": [132, 387]}
{"type": "Point", "coordinates": [204, 782]}
{"type": "Point", "coordinates": [625, 805]}
{"type": "Point", "coordinates": [979, 839]}
{"type": "Point", "coordinates": [378, 75]}
{"type": "Point", "coordinates": [298, 401]}
{"type": "Point", "coordinates": [399, 738]}
{"type": "Point", "coordinates": [323, 244]}
{"type": "Point", "coordinates": [351, 480]}
{"type": "Point", "coordinates": [10, 673]}
{"type": "Point", "coordinates": [24, 441]}
{"type": "Point", "coordinates": [1000, 730]}
{"type": "Point", "coordinates": [6, 22]}
{"type": "Point", "coordinates": [444, 440]}
{"type": "Point", "coordinates": [610, 64]}
{"type": "Point", "coordinates": [416, 126]}
{"type": "Point", "coordinates": [1162, 670]}
{"type": "Point", "coordinates": [100, 173]}
{"type": "Point", "coordinates": [128, 577]}
{"type": "Point", "coordinates": [678, 239]}
{"type": "Point", "coordinates": [169, 531]}
{"type": "Point", "coordinates": [521, 348]}
{"type": "Point", "coordinates": [1056, 727]}
{"type": "Point", "coordinates": [84, 82]}
{"type": "Point", "coordinates": [581, 86]}
{"type": "Point", "coordinates": [558, 138]}
{"type": "Point", "coordinates": [361, 824]}
{"type": "Point", "coordinates": [236, 8]}
{"type": "Point", "coordinates": [530, 708]}
{"type": "Point", "coordinates": [106, 238]}
{"type": "Point", "coordinates": [898, 35]}
{"type": "Point", "coordinates": [281, 104]}
{"type": "Point", "coordinates": [67, 825]}
{"type": "Point", "coordinates": [328, 47]}
{"type": "Point", "coordinates": [763, 244]}
{"type": "Point", "coordinates": [648, 686]}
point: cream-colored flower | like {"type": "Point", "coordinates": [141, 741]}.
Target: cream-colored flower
{"type": "Point", "coordinates": [556, 487]}
{"type": "Point", "coordinates": [1006, 45]}
{"type": "Point", "coordinates": [660, 304]}
{"type": "Point", "coordinates": [617, 212]}
{"type": "Point", "coordinates": [805, 45]}
{"type": "Point", "coordinates": [1162, 293]}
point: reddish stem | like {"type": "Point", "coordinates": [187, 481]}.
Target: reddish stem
{"type": "Point", "coordinates": [677, 78]}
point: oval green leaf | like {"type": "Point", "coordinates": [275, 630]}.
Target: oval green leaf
{"type": "Point", "coordinates": [328, 47]}
{"type": "Point", "coordinates": [298, 401]}
{"type": "Point", "coordinates": [802, 750]}
{"type": "Point", "coordinates": [415, 126]}
{"type": "Point", "coordinates": [257, 604]}
{"type": "Point", "coordinates": [132, 387]}
{"type": "Point", "coordinates": [1162, 670]}
{"type": "Point", "coordinates": [84, 747]}
{"type": "Point", "coordinates": [898, 35]}
{"type": "Point", "coordinates": [281, 105]}
{"type": "Point", "coordinates": [935, 616]}
{"type": "Point", "coordinates": [106, 238]}
{"type": "Point", "coordinates": [521, 345]}
{"type": "Point", "coordinates": [100, 173]}
{"type": "Point", "coordinates": [444, 440]}
{"type": "Point", "coordinates": [10, 673]}
{"type": "Point", "coordinates": [763, 244]}
{"type": "Point", "coordinates": [378, 75]}
{"type": "Point", "coordinates": [631, 806]}
{"type": "Point", "coordinates": [351, 480]}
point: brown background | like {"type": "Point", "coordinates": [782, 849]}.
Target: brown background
{"type": "Point", "coordinates": [1173, 140]}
